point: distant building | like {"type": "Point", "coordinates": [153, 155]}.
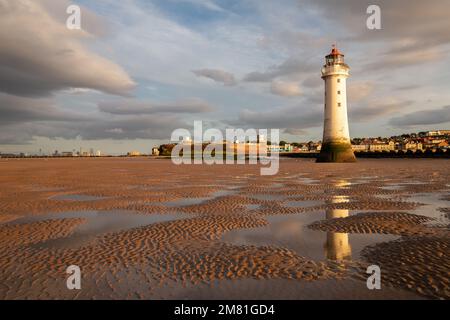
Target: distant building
{"type": "Point", "coordinates": [288, 148]}
{"type": "Point", "coordinates": [304, 148]}
{"type": "Point", "coordinates": [155, 151]}
{"type": "Point", "coordinates": [412, 145]}
{"type": "Point", "coordinates": [249, 148]}
{"type": "Point", "coordinates": [382, 146]}
{"type": "Point", "coordinates": [274, 148]}
{"type": "Point", "coordinates": [133, 154]}
{"type": "Point", "coordinates": [436, 133]}
{"type": "Point", "coordinates": [437, 141]}
{"type": "Point", "coordinates": [7, 155]}
{"type": "Point", "coordinates": [443, 144]}
{"type": "Point", "coordinates": [360, 147]}
{"type": "Point", "coordinates": [433, 133]}
{"type": "Point", "coordinates": [67, 154]}
{"type": "Point", "coordinates": [314, 147]}
{"type": "Point", "coordinates": [435, 144]}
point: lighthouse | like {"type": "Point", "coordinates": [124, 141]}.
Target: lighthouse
{"type": "Point", "coordinates": [336, 145]}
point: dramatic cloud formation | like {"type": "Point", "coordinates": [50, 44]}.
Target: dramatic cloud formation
{"type": "Point", "coordinates": [39, 55]}
{"type": "Point", "coordinates": [20, 109]}
{"type": "Point", "coordinates": [253, 63]}
{"type": "Point", "coordinates": [23, 118]}
{"type": "Point", "coordinates": [130, 106]}
{"type": "Point", "coordinates": [436, 116]}
{"type": "Point", "coordinates": [124, 128]}
{"type": "Point", "coordinates": [131, 127]}
{"type": "Point", "coordinates": [221, 76]}
{"type": "Point", "coordinates": [412, 31]}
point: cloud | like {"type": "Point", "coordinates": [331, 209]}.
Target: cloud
{"type": "Point", "coordinates": [291, 117]}
{"type": "Point", "coordinates": [313, 81]}
{"type": "Point", "coordinates": [128, 127]}
{"type": "Point", "coordinates": [285, 89]}
{"type": "Point", "coordinates": [15, 109]}
{"type": "Point", "coordinates": [13, 134]}
{"type": "Point", "coordinates": [413, 32]}
{"type": "Point", "coordinates": [131, 127]}
{"type": "Point", "coordinates": [377, 108]}
{"type": "Point", "coordinates": [295, 41]}
{"type": "Point", "coordinates": [295, 132]}
{"type": "Point", "coordinates": [416, 56]}
{"type": "Point", "coordinates": [91, 23]}
{"type": "Point", "coordinates": [124, 128]}
{"type": "Point", "coordinates": [408, 87]}
{"type": "Point", "coordinates": [425, 117]}
{"type": "Point", "coordinates": [39, 55]}
{"type": "Point", "coordinates": [291, 66]}
{"type": "Point", "coordinates": [207, 4]}
{"type": "Point", "coordinates": [131, 106]}
{"type": "Point", "coordinates": [159, 45]}
{"type": "Point", "coordinates": [358, 91]}
{"type": "Point", "coordinates": [23, 118]}
{"type": "Point", "coordinates": [226, 78]}
{"type": "Point", "coordinates": [400, 18]}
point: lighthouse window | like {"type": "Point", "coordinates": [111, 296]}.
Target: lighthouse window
{"type": "Point", "coordinates": [339, 92]}
{"type": "Point", "coordinates": [339, 80]}
{"type": "Point", "coordinates": [339, 104]}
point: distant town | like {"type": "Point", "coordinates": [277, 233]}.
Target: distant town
{"type": "Point", "coordinates": [431, 142]}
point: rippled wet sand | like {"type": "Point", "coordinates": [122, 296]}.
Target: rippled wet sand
{"type": "Point", "coordinates": [145, 228]}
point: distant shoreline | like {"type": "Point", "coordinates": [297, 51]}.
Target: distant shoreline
{"type": "Point", "coordinates": [375, 155]}
{"type": "Point", "coordinates": [306, 155]}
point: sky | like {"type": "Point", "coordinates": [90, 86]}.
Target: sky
{"type": "Point", "coordinates": [139, 69]}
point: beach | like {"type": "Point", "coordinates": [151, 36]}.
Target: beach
{"type": "Point", "coordinates": [144, 228]}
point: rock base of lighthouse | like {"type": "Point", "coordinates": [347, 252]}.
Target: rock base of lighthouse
{"type": "Point", "coordinates": [336, 152]}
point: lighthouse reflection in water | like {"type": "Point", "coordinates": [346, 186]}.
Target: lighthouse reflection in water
{"type": "Point", "coordinates": [337, 245]}
{"type": "Point", "coordinates": [293, 231]}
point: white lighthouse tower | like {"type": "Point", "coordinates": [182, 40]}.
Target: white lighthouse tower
{"type": "Point", "coordinates": [336, 145]}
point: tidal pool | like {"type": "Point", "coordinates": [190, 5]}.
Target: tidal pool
{"type": "Point", "coordinates": [98, 223]}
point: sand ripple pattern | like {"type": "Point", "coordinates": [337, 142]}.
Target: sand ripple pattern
{"type": "Point", "coordinates": [419, 264]}
{"type": "Point", "coordinates": [398, 223]}
{"type": "Point", "coordinates": [160, 259]}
